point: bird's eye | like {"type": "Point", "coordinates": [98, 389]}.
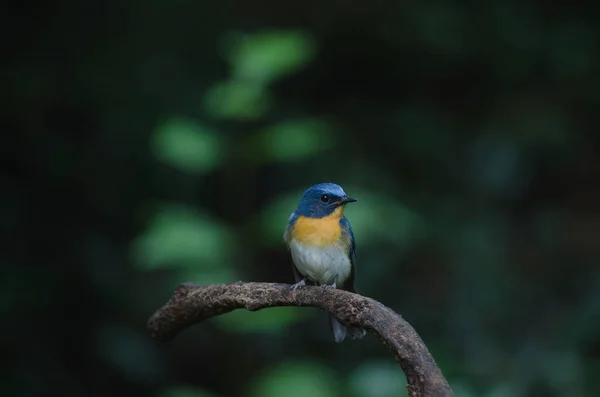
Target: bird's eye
{"type": "Point", "coordinates": [324, 198]}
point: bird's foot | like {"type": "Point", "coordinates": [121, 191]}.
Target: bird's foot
{"type": "Point", "coordinates": [299, 284]}
{"type": "Point", "coordinates": [334, 285]}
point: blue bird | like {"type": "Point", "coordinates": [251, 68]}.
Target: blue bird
{"type": "Point", "coordinates": [322, 246]}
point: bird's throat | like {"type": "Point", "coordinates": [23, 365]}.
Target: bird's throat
{"type": "Point", "coordinates": [337, 213]}
{"type": "Point", "coordinates": [319, 232]}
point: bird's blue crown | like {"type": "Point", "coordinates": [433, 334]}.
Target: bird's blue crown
{"type": "Point", "coordinates": [321, 200]}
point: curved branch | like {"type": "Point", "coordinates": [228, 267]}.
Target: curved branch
{"type": "Point", "coordinates": [192, 304]}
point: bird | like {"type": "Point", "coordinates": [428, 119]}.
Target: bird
{"type": "Point", "coordinates": [322, 246]}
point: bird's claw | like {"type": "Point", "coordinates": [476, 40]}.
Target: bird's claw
{"type": "Point", "coordinates": [334, 285]}
{"type": "Point", "coordinates": [299, 284]}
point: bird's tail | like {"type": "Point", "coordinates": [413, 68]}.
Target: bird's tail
{"type": "Point", "coordinates": [340, 331]}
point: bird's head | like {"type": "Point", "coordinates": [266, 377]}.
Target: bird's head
{"type": "Point", "coordinates": [323, 200]}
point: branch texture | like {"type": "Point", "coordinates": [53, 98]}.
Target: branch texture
{"type": "Point", "coordinates": [192, 304]}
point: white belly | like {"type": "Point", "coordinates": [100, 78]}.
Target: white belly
{"type": "Point", "coordinates": [321, 264]}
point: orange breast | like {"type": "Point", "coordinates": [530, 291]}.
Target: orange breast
{"type": "Point", "coordinates": [319, 232]}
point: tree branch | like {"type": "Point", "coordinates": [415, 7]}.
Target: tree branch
{"type": "Point", "coordinates": [192, 304]}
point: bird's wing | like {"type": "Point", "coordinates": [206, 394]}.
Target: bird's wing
{"type": "Point", "coordinates": [287, 234]}
{"type": "Point", "coordinates": [349, 234]}
{"type": "Point", "coordinates": [287, 237]}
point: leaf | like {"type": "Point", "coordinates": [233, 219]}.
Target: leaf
{"type": "Point", "coordinates": [273, 319]}
{"type": "Point", "coordinates": [266, 56]}
{"type": "Point", "coordinates": [296, 379]}
{"type": "Point", "coordinates": [275, 216]}
{"type": "Point", "coordinates": [378, 379]}
{"type": "Point", "coordinates": [238, 100]}
{"type": "Point", "coordinates": [187, 145]}
{"type": "Point", "coordinates": [182, 237]}
{"type": "Point", "coordinates": [295, 139]}
{"type": "Point", "coordinates": [376, 214]}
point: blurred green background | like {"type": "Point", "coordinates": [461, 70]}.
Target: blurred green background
{"type": "Point", "coordinates": [146, 144]}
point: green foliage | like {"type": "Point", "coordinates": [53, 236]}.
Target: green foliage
{"type": "Point", "coordinates": [256, 61]}
{"type": "Point", "coordinates": [187, 145]}
{"type": "Point", "coordinates": [182, 238]}
{"type": "Point", "coordinates": [296, 379]}
{"type": "Point", "coordinates": [237, 100]}
{"type": "Point", "coordinates": [272, 321]}
{"type": "Point", "coordinates": [294, 140]}
{"type": "Point", "coordinates": [267, 56]}
{"type": "Point", "coordinates": [377, 379]}
{"type": "Point", "coordinates": [374, 221]}
{"type": "Point", "coordinates": [467, 134]}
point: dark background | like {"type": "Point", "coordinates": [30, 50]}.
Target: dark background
{"type": "Point", "coordinates": [145, 144]}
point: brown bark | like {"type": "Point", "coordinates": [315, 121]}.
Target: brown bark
{"type": "Point", "coordinates": [192, 304]}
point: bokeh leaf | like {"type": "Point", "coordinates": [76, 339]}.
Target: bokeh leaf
{"type": "Point", "coordinates": [266, 56]}
{"type": "Point", "coordinates": [508, 389]}
{"type": "Point", "coordinates": [296, 379]}
{"type": "Point", "coordinates": [376, 214]}
{"type": "Point", "coordinates": [275, 216]}
{"type": "Point", "coordinates": [267, 320]}
{"type": "Point", "coordinates": [294, 139]}
{"type": "Point", "coordinates": [187, 145]}
{"type": "Point", "coordinates": [464, 389]}
{"type": "Point", "coordinates": [184, 238]}
{"type": "Point", "coordinates": [242, 100]}
{"type": "Point", "coordinates": [378, 379]}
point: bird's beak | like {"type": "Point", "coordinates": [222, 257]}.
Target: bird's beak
{"type": "Point", "coordinates": [346, 200]}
